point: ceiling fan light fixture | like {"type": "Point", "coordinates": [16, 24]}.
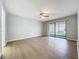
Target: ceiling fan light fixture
{"type": "Point", "coordinates": [42, 17]}
{"type": "Point", "coordinates": [44, 14]}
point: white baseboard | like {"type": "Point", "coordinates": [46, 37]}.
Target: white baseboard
{"type": "Point", "coordinates": [72, 39]}
{"type": "Point", "coordinates": [78, 48]}
{"type": "Point", "coordinates": [21, 39]}
{"type": "Point", "coordinates": [0, 55]}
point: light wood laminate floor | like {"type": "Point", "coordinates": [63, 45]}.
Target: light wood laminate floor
{"type": "Point", "coordinates": [41, 48]}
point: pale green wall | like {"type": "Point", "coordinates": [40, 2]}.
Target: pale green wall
{"type": "Point", "coordinates": [78, 25]}
{"type": "Point", "coordinates": [0, 29]}
{"type": "Point", "coordinates": [71, 26]}
{"type": "Point", "coordinates": [0, 35]}
{"type": "Point", "coordinates": [78, 33]}
{"type": "Point", "coordinates": [21, 27]}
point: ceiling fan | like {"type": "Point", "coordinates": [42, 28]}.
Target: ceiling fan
{"type": "Point", "coordinates": [45, 14]}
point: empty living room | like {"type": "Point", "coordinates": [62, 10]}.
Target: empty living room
{"type": "Point", "coordinates": [39, 29]}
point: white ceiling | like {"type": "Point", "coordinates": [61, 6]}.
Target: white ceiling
{"type": "Point", "coordinates": [32, 8]}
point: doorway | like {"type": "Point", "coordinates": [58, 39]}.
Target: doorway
{"type": "Point", "coordinates": [57, 29]}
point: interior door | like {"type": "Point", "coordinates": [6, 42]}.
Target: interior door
{"type": "Point", "coordinates": [52, 29]}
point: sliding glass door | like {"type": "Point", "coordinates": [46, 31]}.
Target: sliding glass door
{"type": "Point", "coordinates": [60, 29]}
{"type": "Point", "coordinates": [57, 29]}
